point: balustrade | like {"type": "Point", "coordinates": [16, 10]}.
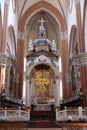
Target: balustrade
{"type": "Point", "coordinates": [77, 114]}
{"type": "Point", "coordinates": [6, 114]}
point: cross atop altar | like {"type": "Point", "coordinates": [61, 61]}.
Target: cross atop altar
{"type": "Point", "coordinates": [42, 21]}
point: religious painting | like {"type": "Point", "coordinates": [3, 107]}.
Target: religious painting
{"type": "Point", "coordinates": [42, 84]}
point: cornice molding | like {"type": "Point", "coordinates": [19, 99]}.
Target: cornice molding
{"type": "Point", "coordinates": [41, 59]}
{"type": "Point", "coordinates": [68, 78]}
{"type": "Point", "coordinates": [7, 2]}
{"type": "Point", "coordinates": [77, 1]}
{"type": "Point", "coordinates": [82, 59]}
{"type": "Point", "coordinates": [20, 35]}
{"type": "Point", "coordinates": [64, 35]}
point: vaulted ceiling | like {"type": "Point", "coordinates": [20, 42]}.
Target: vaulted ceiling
{"type": "Point", "coordinates": [53, 12]}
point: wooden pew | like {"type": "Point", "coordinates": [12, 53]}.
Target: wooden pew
{"type": "Point", "coordinates": [18, 125]}
{"type": "Point", "coordinates": [74, 126]}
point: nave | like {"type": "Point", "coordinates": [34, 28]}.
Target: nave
{"type": "Point", "coordinates": [43, 63]}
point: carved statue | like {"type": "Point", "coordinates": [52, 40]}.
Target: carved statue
{"type": "Point", "coordinates": [41, 28]}
{"type": "Point", "coordinates": [53, 46]}
{"type": "Point", "coordinates": [30, 46]}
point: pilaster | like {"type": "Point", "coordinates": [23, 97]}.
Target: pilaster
{"type": "Point", "coordinates": [56, 91]}
{"type": "Point", "coordinates": [82, 61]}
{"type": "Point", "coordinates": [5, 25]}
{"type": "Point", "coordinates": [65, 65]}
{"type": "Point", "coordinates": [20, 64]}
{"type": "Point", "coordinates": [27, 90]}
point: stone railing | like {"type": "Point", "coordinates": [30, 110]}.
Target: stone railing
{"type": "Point", "coordinates": [14, 115]}
{"type": "Point", "coordinates": [77, 114]}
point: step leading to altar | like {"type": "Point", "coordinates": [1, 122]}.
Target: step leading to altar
{"type": "Point", "coordinates": [42, 115]}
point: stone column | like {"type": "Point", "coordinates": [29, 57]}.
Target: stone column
{"type": "Point", "coordinates": [20, 63]}
{"type": "Point", "coordinates": [56, 91]}
{"type": "Point", "coordinates": [81, 46]}
{"type": "Point", "coordinates": [3, 44]}
{"type": "Point", "coordinates": [5, 25]}
{"type": "Point", "coordinates": [65, 63]}
{"type": "Point", "coordinates": [82, 62]}
{"type": "Point", "coordinates": [80, 33]}
{"type": "Point", "coordinates": [80, 111]}
{"type": "Point", "coordinates": [27, 91]}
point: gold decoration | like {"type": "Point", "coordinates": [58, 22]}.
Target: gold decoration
{"type": "Point", "coordinates": [42, 84]}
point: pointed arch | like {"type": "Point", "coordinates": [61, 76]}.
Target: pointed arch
{"type": "Point", "coordinates": [73, 36]}
{"type": "Point", "coordinates": [35, 7]}
{"type": "Point", "coordinates": [11, 40]}
{"type": "Point", "coordinates": [29, 70]}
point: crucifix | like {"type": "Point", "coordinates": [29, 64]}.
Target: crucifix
{"type": "Point", "coordinates": [42, 21]}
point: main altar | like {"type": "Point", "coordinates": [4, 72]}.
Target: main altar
{"type": "Point", "coordinates": [42, 71]}
{"type": "Point", "coordinates": [42, 107]}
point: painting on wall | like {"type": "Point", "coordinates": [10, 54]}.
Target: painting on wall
{"type": "Point", "coordinates": [42, 84]}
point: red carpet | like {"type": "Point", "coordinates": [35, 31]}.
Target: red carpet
{"type": "Point", "coordinates": [43, 119]}
{"type": "Point", "coordinates": [42, 115]}
{"type": "Point", "coordinates": [43, 124]}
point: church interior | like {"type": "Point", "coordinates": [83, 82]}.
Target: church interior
{"type": "Point", "coordinates": [43, 64]}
